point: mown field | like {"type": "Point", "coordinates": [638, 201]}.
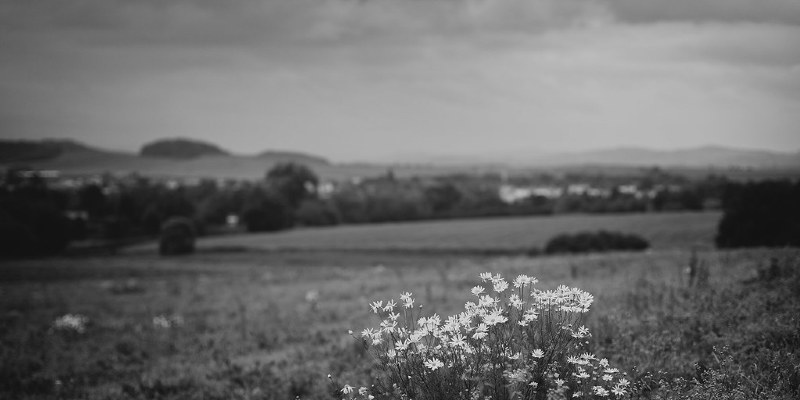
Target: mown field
{"type": "Point", "coordinates": [273, 325]}
{"type": "Point", "coordinates": [475, 236]}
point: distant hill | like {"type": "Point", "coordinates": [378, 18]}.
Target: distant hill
{"type": "Point", "coordinates": [716, 157]}
{"type": "Point", "coordinates": [180, 149]}
{"type": "Point", "coordinates": [74, 158]}
{"type": "Point", "coordinates": [700, 157]}
{"type": "Point", "coordinates": [21, 151]}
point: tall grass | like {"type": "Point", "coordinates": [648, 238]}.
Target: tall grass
{"type": "Point", "coordinates": [179, 329]}
{"type": "Point", "coordinates": [698, 336]}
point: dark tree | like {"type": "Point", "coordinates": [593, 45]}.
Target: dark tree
{"type": "Point", "coordinates": [760, 214]}
{"type": "Point", "coordinates": [176, 203]}
{"type": "Point", "coordinates": [215, 208]}
{"type": "Point", "coordinates": [92, 199]}
{"type": "Point", "coordinates": [163, 204]}
{"type": "Point", "coordinates": [32, 227]}
{"type": "Point", "coordinates": [295, 182]}
{"type": "Point", "coordinates": [443, 197]}
{"type": "Point", "coordinates": [151, 219]}
{"type": "Point", "coordinates": [317, 213]}
{"type": "Point", "coordinates": [17, 239]}
{"type": "Point", "coordinates": [266, 212]}
{"type": "Point", "coordinates": [351, 205]}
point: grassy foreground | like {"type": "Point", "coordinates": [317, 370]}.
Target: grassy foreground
{"type": "Point", "coordinates": [272, 326]}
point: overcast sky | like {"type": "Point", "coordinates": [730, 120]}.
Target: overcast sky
{"type": "Point", "coordinates": [385, 79]}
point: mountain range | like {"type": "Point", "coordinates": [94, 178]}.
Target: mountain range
{"type": "Point", "coordinates": [698, 157]}
{"type": "Point", "coordinates": [191, 158]}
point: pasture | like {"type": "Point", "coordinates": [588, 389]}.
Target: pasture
{"type": "Point", "coordinates": [273, 325]}
{"type": "Point", "coordinates": [475, 236]}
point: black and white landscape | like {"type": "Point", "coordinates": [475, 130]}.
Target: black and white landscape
{"type": "Point", "coordinates": [399, 199]}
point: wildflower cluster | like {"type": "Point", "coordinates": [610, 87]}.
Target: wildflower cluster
{"type": "Point", "coordinates": [513, 342]}
{"type": "Point", "coordinates": [71, 322]}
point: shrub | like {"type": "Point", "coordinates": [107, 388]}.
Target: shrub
{"type": "Point", "coordinates": [177, 237]}
{"type": "Point", "coordinates": [528, 345]}
{"type": "Point", "coordinates": [585, 242]}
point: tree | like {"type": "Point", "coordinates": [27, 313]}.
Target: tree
{"type": "Point", "coordinates": [16, 238]}
{"type": "Point", "coordinates": [92, 199]}
{"type": "Point", "coordinates": [295, 182]}
{"type": "Point", "coordinates": [32, 227]}
{"type": "Point", "coordinates": [760, 214]}
{"type": "Point", "coordinates": [317, 213]}
{"type": "Point", "coordinates": [165, 204]}
{"type": "Point", "coordinates": [266, 212]}
{"type": "Point", "coordinates": [215, 209]}
{"type": "Point", "coordinates": [151, 219]}
{"type": "Point", "coordinates": [442, 197]}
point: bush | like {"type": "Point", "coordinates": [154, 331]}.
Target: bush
{"type": "Point", "coordinates": [177, 237]}
{"type": "Point", "coordinates": [521, 343]}
{"type": "Point", "coordinates": [585, 242]}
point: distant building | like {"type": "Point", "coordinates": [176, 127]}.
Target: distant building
{"type": "Point", "coordinates": [628, 189]}
{"type": "Point", "coordinates": [232, 220]}
{"type": "Point", "coordinates": [77, 215]}
{"type": "Point", "coordinates": [512, 194]}
{"type": "Point", "coordinates": [631, 190]}
{"type": "Point", "coordinates": [578, 189]}
{"type": "Point", "coordinates": [549, 192]}
{"type": "Point", "coordinates": [325, 189]}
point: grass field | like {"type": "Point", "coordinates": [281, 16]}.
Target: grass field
{"type": "Point", "coordinates": [476, 236]}
{"type": "Point", "coordinates": [273, 325]}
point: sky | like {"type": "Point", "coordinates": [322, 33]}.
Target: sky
{"type": "Point", "coordinates": [387, 80]}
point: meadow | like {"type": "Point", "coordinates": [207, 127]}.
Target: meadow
{"type": "Point", "coordinates": [473, 236]}
{"type": "Point", "coordinates": [273, 325]}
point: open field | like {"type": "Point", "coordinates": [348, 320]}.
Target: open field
{"type": "Point", "coordinates": [475, 236]}
{"type": "Point", "coordinates": [273, 325]}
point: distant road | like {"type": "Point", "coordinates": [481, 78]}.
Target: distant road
{"type": "Point", "coordinates": [487, 235]}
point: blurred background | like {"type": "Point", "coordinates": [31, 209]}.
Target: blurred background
{"type": "Point", "coordinates": [199, 199]}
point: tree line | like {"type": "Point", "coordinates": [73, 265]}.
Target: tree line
{"type": "Point", "coordinates": [37, 219]}
{"type": "Point", "coordinates": [760, 214]}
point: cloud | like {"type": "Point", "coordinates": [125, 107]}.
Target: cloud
{"type": "Point", "coordinates": [748, 11]}
{"type": "Point", "coordinates": [265, 22]}
{"type": "Point", "coordinates": [252, 21]}
{"type": "Point", "coordinates": [397, 75]}
{"type": "Point", "coordinates": [303, 32]}
{"type": "Point", "coordinates": [93, 37]}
